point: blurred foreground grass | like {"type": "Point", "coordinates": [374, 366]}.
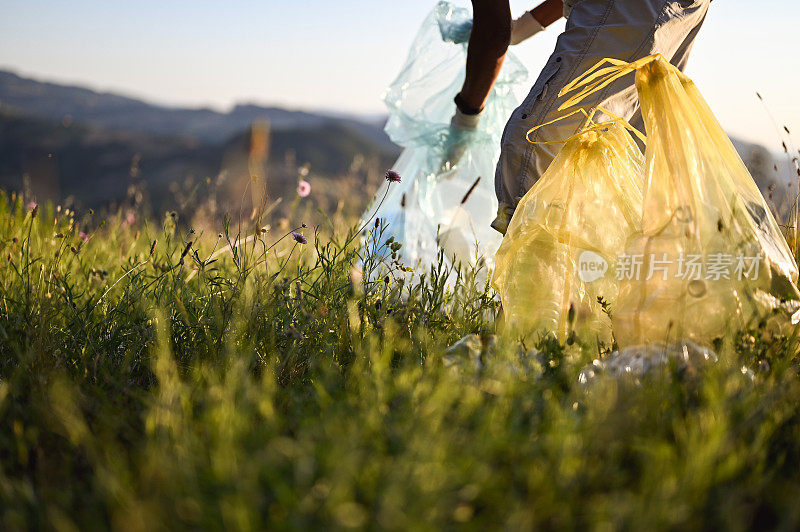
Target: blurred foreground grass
{"type": "Point", "coordinates": [146, 385]}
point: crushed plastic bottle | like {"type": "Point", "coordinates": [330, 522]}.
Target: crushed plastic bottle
{"type": "Point", "coordinates": [638, 361]}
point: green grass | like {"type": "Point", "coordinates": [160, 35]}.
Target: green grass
{"type": "Point", "coordinates": [275, 389]}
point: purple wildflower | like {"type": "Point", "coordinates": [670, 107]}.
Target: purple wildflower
{"type": "Point", "coordinates": [392, 176]}
{"type": "Point", "coordinates": [83, 236]}
{"type": "Point", "coordinates": [299, 238]}
{"type": "Point", "coordinates": [34, 208]}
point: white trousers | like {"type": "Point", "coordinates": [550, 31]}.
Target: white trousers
{"type": "Point", "coordinates": [596, 29]}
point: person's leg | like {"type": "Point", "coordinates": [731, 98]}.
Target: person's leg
{"type": "Point", "coordinates": [596, 29]}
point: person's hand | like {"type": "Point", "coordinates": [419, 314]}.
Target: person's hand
{"type": "Point", "coordinates": [461, 125]}
{"type": "Point", "coordinates": [457, 33]}
{"type": "Point", "coordinates": [524, 28]}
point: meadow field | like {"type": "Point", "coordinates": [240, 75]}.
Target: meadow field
{"type": "Point", "coordinates": [259, 374]}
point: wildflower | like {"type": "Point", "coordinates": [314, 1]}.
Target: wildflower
{"type": "Point", "coordinates": [392, 176]}
{"type": "Point", "coordinates": [299, 238]}
{"type": "Point", "coordinates": [303, 188]}
{"type": "Point", "coordinates": [83, 236]}
{"type": "Point", "coordinates": [34, 208]}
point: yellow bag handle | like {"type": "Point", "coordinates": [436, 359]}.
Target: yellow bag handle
{"type": "Point", "coordinates": [596, 78]}
{"type": "Point", "coordinates": [584, 129]}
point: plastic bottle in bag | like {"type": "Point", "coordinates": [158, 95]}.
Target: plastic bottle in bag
{"type": "Point", "coordinates": [709, 249]}
{"type": "Point", "coordinates": [552, 268]}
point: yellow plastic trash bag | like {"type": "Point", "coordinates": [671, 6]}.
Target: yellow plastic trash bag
{"type": "Point", "coordinates": [552, 265]}
{"type": "Point", "coordinates": [709, 249]}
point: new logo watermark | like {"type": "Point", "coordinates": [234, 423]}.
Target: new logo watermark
{"type": "Point", "coordinates": [591, 266]}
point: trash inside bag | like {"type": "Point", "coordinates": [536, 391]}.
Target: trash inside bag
{"type": "Point", "coordinates": [699, 255]}
{"type": "Point", "coordinates": [438, 205]}
{"type": "Point", "coordinates": [552, 268]}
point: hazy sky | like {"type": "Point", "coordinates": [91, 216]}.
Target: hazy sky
{"type": "Point", "coordinates": [316, 54]}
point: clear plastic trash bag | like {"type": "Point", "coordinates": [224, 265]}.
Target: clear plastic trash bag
{"type": "Point", "coordinates": [430, 207]}
{"type": "Point", "coordinates": [552, 266]}
{"type": "Point", "coordinates": [709, 250]}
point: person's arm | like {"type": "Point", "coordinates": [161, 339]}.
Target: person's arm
{"type": "Point", "coordinates": [536, 20]}
{"type": "Point", "coordinates": [488, 44]}
{"type": "Point", "coordinates": [548, 12]}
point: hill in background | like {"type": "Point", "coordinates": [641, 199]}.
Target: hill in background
{"type": "Point", "coordinates": [111, 111]}
{"type": "Point", "coordinates": [63, 141]}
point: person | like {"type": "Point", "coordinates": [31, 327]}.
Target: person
{"type": "Point", "coordinates": [595, 29]}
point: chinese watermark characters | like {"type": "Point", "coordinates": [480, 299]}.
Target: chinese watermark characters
{"type": "Point", "coordinates": [687, 267]}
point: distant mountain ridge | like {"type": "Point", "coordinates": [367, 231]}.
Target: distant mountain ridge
{"type": "Point", "coordinates": [71, 141]}
{"type": "Point", "coordinates": [81, 142]}
{"type": "Point", "coordinates": [23, 96]}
